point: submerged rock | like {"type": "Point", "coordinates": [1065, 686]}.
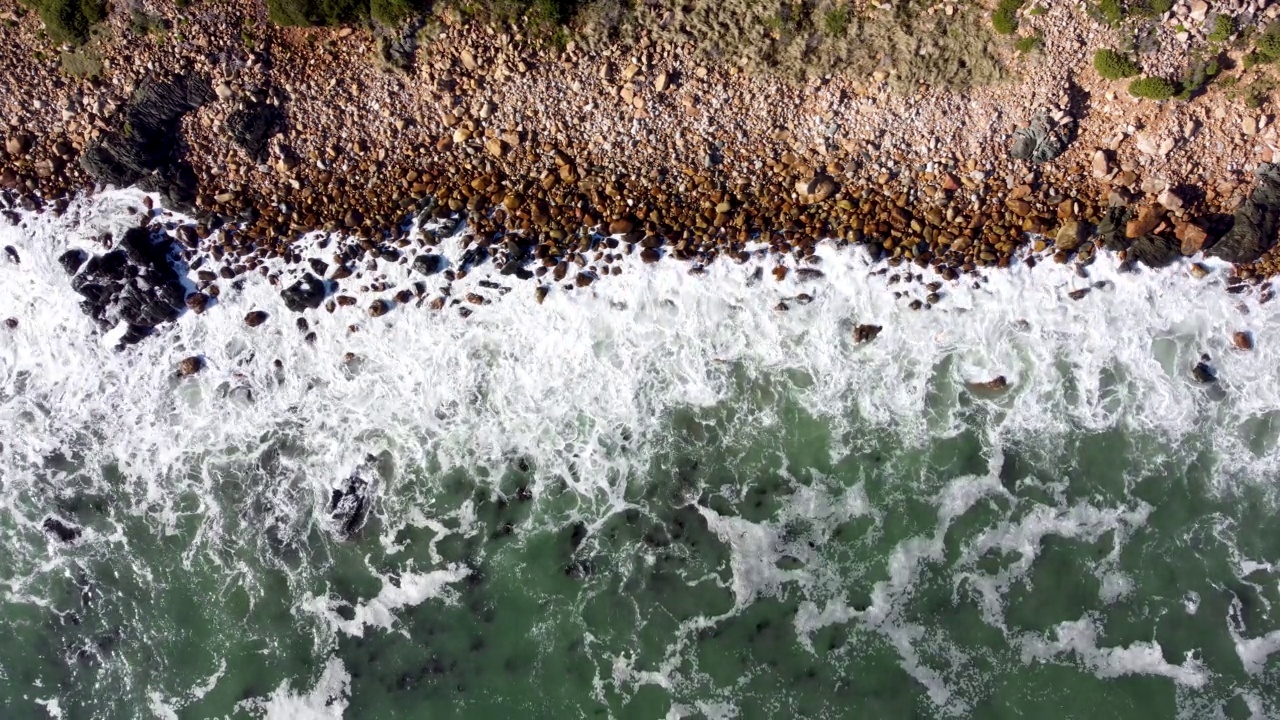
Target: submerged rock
{"type": "Point", "coordinates": [1256, 221]}
{"type": "Point", "coordinates": [61, 529]}
{"type": "Point", "coordinates": [995, 384]}
{"type": "Point", "coordinates": [348, 506]}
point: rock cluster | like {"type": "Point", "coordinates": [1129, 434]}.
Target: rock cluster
{"type": "Point", "coordinates": [136, 283]}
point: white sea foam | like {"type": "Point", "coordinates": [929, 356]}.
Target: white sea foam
{"type": "Point", "coordinates": [1080, 638]}
{"type": "Point", "coordinates": [404, 590]}
{"type": "Point", "coordinates": [563, 381]}
{"type": "Point", "coordinates": [328, 699]}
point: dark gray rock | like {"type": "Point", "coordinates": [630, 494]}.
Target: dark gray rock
{"type": "Point", "coordinates": [1040, 142]}
{"type": "Point", "coordinates": [348, 507]}
{"type": "Point", "coordinates": [1111, 229]}
{"type": "Point", "coordinates": [145, 147]}
{"type": "Point", "coordinates": [428, 263]}
{"type": "Point", "coordinates": [71, 260]}
{"type": "Point", "coordinates": [1256, 221]}
{"type": "Point", "coordinates": [1155, 251]}
{"type": "Point", "coordinates": [307, 293]}
{"type": "Point", "coordinates": [61, 529]}
{"type": "Point", "coordinates": [252, 126]}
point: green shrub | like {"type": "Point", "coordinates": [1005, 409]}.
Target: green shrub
{"type": "Point", "coordinates": [1152, 88]}
{"type": "Point", "coordinates": [1037, 11]}
{"type": "Point", "coordinates": [1159, 7]}
{"type": "Point", "coordinates": [1223, 28]}
{"type": "Point", "coordinates": [1114, 66]}
{"type": "Point", "coordinates": [1268, 44]}
{"type": "Point", "coordinates": [836, 21]}
{"type": "Point", "coordinates": [1029, 44]}
{"type": "Point", "coordinates": [1005, 18]}
{"type": "Point", "coordinates": [1111, 11]}
{"type": "Point", "coordinates": [391, 12]}
{"type": "Point", "coordinates": [68, 21]}
{"type": "Point", "coordinates": [1196, 78]}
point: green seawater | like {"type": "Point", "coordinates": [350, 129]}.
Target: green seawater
{"type": "Point", "coordinates": [757, 565]}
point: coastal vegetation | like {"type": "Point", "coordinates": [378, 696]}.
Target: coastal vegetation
{"type": "Point", "coordinates": [1111, 65]}
{"type": "Point", "coordinates": [1152, 88]}
{"type": "Point", "coordinates": [1005, 17]}
{"type": "Point", "coordinates": [68, 21]}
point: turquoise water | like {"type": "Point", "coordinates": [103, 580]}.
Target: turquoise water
{"type": "Point", "coordinates": [665, 500]}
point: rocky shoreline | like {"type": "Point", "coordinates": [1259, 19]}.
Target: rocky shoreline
{"type": "Point", "coordinates": [562, 161]}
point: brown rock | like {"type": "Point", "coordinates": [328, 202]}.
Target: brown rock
{"type": "Point", "coordinates": [816, 189]}
{"type": "Point", "coordinates": [477, 299]}
{"type": "Point", "coordinates": [346, 300]}
{"type": "Point", "coordinates": [584, 279]}
{"type": "Point", "coordinates": [993, 385]}
{"type": "Point", "coordinates": [1069, 236]}
{"type": "Point", "coordinates": [1078, 294]}
{"type": "Point", "coordinates": [255, 318]}
{"type": "Point", "coordinates": [197, 302]}
{"type": "Point", "coordinates": [379, 307]}
{"type": "Point", "coordinates": [1243, 340]}
{"type": "Point", "coordinates": [950, 183]}
{"type": "Point", "coordinates": [190, 366]}
{"type": "Point", "coordinates": [1192, 237]}
{"type": "Point", "coordinates": [1146, 221]}
{"type": "Point", "coordinates": [495, 147]}
{"type": "Point", "coordinates": [1019, 207]}
{"type": "Point", "coordinates": [621, 226]}
{"type": "Point", "coordinates": [780, 273]}
{"type": "Point", "coordinates": [540, 293]}
{"type": "Point", "coordinates": [866, 333]}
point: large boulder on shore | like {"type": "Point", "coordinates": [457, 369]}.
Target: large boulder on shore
{"type": "Point", "coordinates": [1155, 251]}
{"type": "Point", "coordinates": [1040, 142]}
{"type": "Point", "coordinates": [252, 126]}
{"type": "Point", "coordinates": [143, 147]}
{"type": "Point", "coordinates": [1256, 221]}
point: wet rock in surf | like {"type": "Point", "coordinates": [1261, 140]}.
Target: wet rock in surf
{"type": "Point", "coordinates": [307, 293]}
{"type": "Point", "coordinates": [255, 318]}
{"type": "Point", "coordinates": [71, 260]}
{"type": "Point", "coordinates": [1155, 251]}
{"type": "Point", "coordinates": [348, 506]}
{"type": "Point", "coordinates": [428, 263]}
{"type": "Point", "coordinates": [61, 529]}
{"type": "Point", "coordinates": [190, 366]}
{"type": "Point", "coordinates": [1203, 372]}
{"type": "Point", "coordinates": [866, 333]}
{"type": "Point", "coordinates": [1256, 221]}
{"type": "Point", "coordinates": [995, 384]}
{"type": "Point", "coordinates": [136, 284]}
{"type": "Point", "coordinates": [1242, 340]}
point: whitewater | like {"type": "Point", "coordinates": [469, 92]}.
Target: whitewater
{"type": "Point", "coordinates": [657, 496]}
